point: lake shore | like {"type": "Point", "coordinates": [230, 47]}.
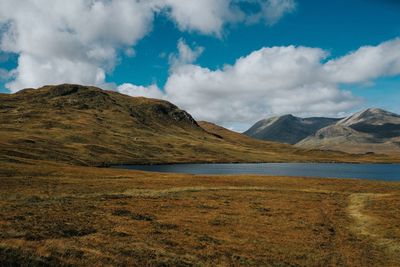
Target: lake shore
{"type": "Point", "coordinates": [64, 214]}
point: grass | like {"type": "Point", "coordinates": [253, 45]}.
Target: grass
{"type": "Point", "coordinates": [68, 215]}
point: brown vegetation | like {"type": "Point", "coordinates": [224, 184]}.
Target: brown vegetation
{"type": "Point", "coordinates": [66, 215]}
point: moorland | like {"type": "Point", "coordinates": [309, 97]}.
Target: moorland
{"type": "Point", "coordinates": [59, 207]}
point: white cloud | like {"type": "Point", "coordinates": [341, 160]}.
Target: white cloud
{"type": "Point", "coordinates": [69, 41]}
{"type": "Point", "coordinates": [274, 10]}
{"type": "Point", "coordinates": [151, 91]}
{"type": "Point", "coordinates": [367, 63]}
{"type": "Point", "coordinates": [205, 16]}
{"type": "Point", "coordinates": [209, 16]}
{"type": "Point", "coordinates": [271, 11]}
{"type": "Point", "coordinates": [186, 55]}
{"type": "Point", "coordinates": [278, 80]}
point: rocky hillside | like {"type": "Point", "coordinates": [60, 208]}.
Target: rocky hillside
{"type": "Point", "coordinates": [89, 126]}
{"type": "Point", "coordinates": [288, 128]}
{"type": "Point", "coordinates": [371, 130]}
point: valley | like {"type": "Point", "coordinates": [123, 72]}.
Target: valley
{"type": "Point", "coordinates": [61, 206]}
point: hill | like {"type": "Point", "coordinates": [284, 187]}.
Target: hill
{"type": "Point", "coordinates": [371, 130]}
{"type": "Point", "coordinates": [288, 128]}
{"type": "Point", "coordinates": [90, 126]}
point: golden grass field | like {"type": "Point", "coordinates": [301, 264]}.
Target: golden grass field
{"type": "Point", "coordinates": [62, 215]}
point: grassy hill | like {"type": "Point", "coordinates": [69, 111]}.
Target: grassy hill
{"type": "Point", "coordinates": [89, 126]}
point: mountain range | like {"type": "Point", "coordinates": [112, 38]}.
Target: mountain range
{"type": "Point", "coordinates": [89, 126]}
{"type": "Point", "coordinates": [288, 128]}
{"type": "Point", "coordinates": [370, 130]}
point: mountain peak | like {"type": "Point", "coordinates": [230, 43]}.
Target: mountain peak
{"type": "Point", "coordinates": [376, 111]}
{"type": "Point", "coordinates": [287, 128]}
{"type": "Point", "coordinates": [372, 116]}
{"type": "Point", "coordinates": [289, 116]}
{"type": "Point", "coordinates": [372, 129]}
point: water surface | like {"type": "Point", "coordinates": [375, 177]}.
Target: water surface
{"type": "Point", "coordinates": [386, 172]}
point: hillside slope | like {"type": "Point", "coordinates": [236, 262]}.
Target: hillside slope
{"type": "Point", "coordinates": [89, 126]}
{"type": "Point", "coordinates": [371, 130]}
{"type": "Point", "coordinates": [288, 128]}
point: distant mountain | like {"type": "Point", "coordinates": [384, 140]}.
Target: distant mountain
{"type": "Point", "coordinates": [371, 130]}
{"type": "Point", "coordinates": [89, 126]}
{"type": "Point", "coordinates": [288, 128]}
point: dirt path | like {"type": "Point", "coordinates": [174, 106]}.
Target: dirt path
{"type": "Point", "coordinates": [367, 225]}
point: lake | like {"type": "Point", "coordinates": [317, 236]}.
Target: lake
{"type": "Point", "coordinates": [385, 172]}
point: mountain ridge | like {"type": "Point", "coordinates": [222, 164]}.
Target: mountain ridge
{"type": "Point", "coordinates": [370, 130]}
{"type": "Point", "coordinates": [287, 128]}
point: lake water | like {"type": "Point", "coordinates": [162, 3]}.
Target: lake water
{"type": "Point", "coordinates": [386, 172]}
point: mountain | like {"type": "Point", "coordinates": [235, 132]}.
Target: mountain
{"type": "Point", "coordinates": [288, 128]}
{"type": "Point", "coordinates": [86, 125]}
{"type": "Point", "coordinates": [371, 130]}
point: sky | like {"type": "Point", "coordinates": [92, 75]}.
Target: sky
{"type": "Point", "coordinates": [231, 62]}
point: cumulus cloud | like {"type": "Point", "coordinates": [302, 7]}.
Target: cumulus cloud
{"type": "Point", "coordinates": [278, 80]}
{"type": "Point", "coordinates": [367, 63]}
{"type": "Point", "coordinates": [69, 41]}
{"type": "Point", "coordinates": [186, 55]}
{"type": "Point", "coordinates": [209, 16]}
{"type": "Point", "coordinates": [271, 11]}
{"type": "Point", "coordinates": [205, 16]}
{"type": "Point", "coordinates": [151, 91]}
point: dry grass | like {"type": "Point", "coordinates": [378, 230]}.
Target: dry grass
{"type": "Point", "coordinates": [66, 215]}
{"type": "Point", "coordinates": [369, 212]}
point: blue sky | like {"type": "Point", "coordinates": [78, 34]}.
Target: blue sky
{"type": "Point", "coordinates": [335, 28]}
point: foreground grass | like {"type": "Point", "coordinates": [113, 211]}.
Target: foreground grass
{"type": "Point", "coordinates": [53, 214]}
